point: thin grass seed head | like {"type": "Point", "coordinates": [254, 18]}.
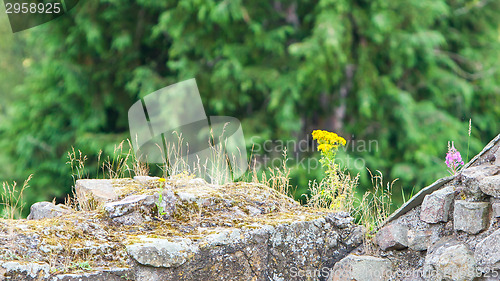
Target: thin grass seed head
{"type": "Point", "coordinates": [470, 126]}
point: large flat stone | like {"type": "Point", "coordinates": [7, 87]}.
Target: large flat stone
{"type": "Point", "coordinates": [392, 237]}
{"type": "Point", "coordinates": [361, 268]}
{"type": "Point", "coordinates": [257, 253]}
{"type": "Point", "coordinates": [162, 252]}
{"type": "Point", "coordinates": [471, 217]}
{"type": "Point", "coordinates": [94, 193]}
{"type": "Point", "coordinates": [436, 206]}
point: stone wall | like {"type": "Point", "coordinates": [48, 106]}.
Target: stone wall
{"type": "Point", "coordinates": [451, 233]}
{"type": "Point", "coordinates": [181, 229]}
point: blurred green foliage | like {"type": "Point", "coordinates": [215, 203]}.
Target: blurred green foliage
{"type": "Point", "coordinates": [408, 74]}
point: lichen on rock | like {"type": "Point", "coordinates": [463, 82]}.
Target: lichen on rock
{"type": "Point", "coordinates": [237, 231]}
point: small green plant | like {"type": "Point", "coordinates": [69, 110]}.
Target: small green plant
{"type": "Point", "coordinates": [159, 205]}
{"type": "Point", "coordinates": [81, 265]}
{"type": "Point", "coordinates": [405, 199]}
{"type": "Point", "coordinates": [126, 277]}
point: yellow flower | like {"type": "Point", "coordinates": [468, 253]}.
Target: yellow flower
{"type": "Point", "coordinates": [325, 137]}
{"type": "Point", "coordinates": [324, 147]}
{"type": "Point", "coordinates": [161, 180]}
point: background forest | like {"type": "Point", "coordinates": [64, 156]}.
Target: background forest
{"type": "Point", "coordinates": [407, 74]}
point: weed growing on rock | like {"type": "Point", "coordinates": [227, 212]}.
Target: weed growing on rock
{"type": "Point", "coordinates": [279, 177]}
{"type": "Point", "coordinates": [214, 164]}
{"type": "Point", "coordinates": [159, 205]}
{"type": "Point", "coordinates": [77, 164]}
{"type": "Point", "coordinates": [118, 166]}
{"type": "Point", "coordinates": [81, 266]}
{"type": "Point", "coordinates": [375, 206]}
{"type": "Point", "coordinates": [336, 190]}
{"type": "Point", "coordinates": [405, 199]}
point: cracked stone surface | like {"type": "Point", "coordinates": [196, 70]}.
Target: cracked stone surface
{"type": "Point", "coordinates": [264, 253]}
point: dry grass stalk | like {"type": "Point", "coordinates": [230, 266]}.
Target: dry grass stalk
{"type": "Point", "coordinates": [77, 163]}
{"type": "Point", "coordinates": [334, 193]}
{"type": "Point", "coordinates": [118, 166]}
{"type": "Point", "coordinates": [12, 199]}
{"type": "Point", "coordinates": [279, 177]}
{"type": "Point", "coordinates": [375, 207]}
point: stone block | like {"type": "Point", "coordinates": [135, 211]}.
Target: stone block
{"type": "Point", "coordinates": [496, 210]}
{"type": "Point", "coordinates": [162, 252]}
{"type": "Point", "coordinates": [419, 240]}
{"type": "Point", "coordinates": [471, 217]}
{"type": "Point", "coordinates": [392, 237]}
{"type": "Point", "coordinates": [13, 270]}
{"type": "Point", "coordinates": [436, 206]}
{"type": "Point", "coordinates": [92, 191]}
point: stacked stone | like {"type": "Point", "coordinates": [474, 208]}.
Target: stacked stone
{"type": "Point", "coordinates": [457, 228]}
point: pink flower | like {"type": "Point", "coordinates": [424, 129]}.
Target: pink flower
{"type": "Point", "coordinates": [453, 159]}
